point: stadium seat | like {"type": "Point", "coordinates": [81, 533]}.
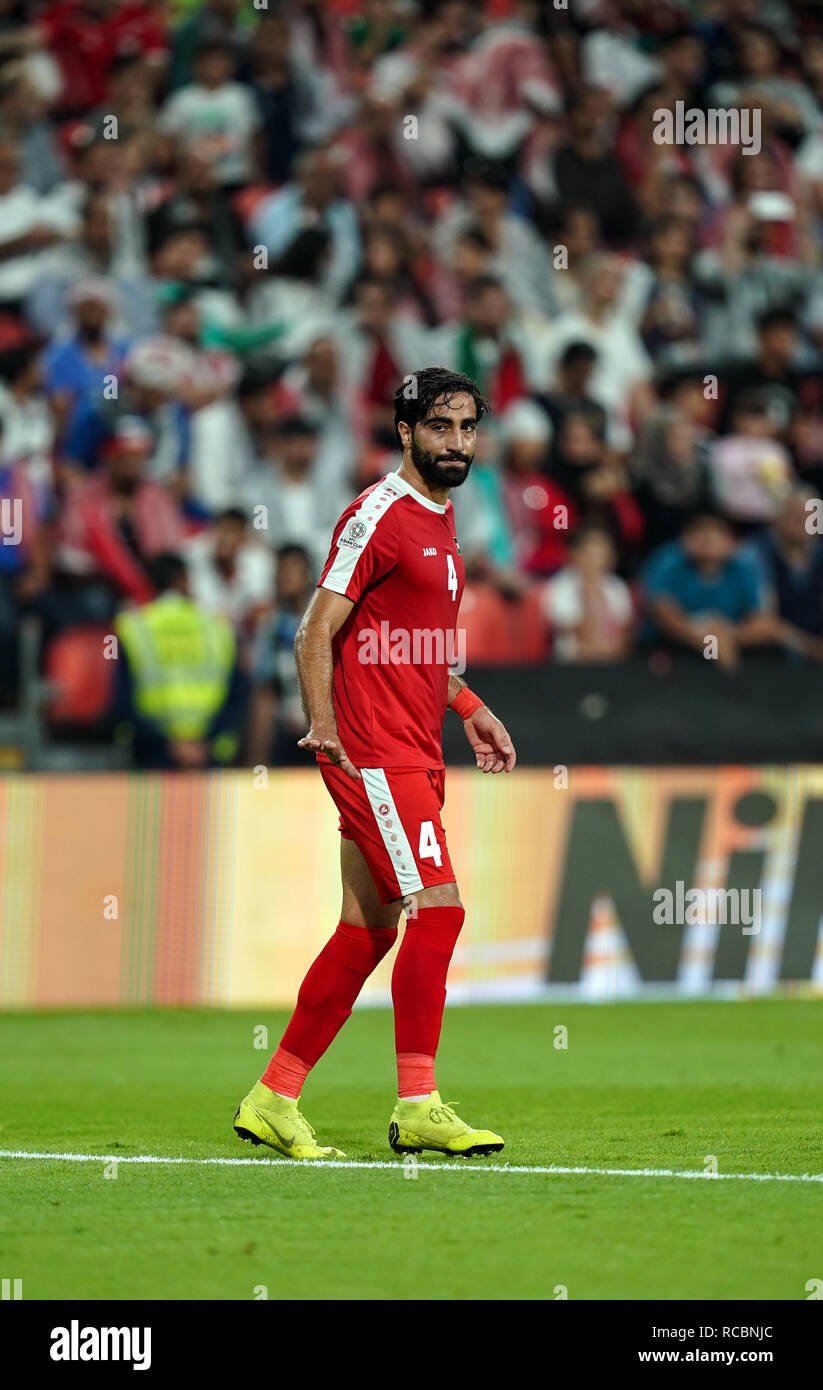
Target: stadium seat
{"type": "Point", "coordinates": [503, 632]}
{"type": "Point", "coordinates": [484, 618]}
{"type": "Point", "coordinates": [528, 629]}
{"type": "Point", "coordinates": [76, 666]}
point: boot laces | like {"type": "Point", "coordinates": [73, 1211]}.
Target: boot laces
{"type": "Point", "coordinates": [444, 1112]}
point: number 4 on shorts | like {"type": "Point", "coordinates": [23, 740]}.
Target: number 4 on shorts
{"type": "Point", "coordinates": [429, 848]}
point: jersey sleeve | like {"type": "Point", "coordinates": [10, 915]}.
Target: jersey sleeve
{"type": "Point", "coordinates": [363, 550]}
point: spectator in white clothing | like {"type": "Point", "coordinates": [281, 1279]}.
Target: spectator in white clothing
{"type": "Point", "coordinates": [751, 471]}
{"type": "Point", "coordinates": [587, 605]}
{"type": "Point", "coordinates": [217, 117]}
{"type": "Point", "coordinates": [287, 495]}
{"type": "Point", "coordinates": [621, 381]}
{"type": "Point", "coordinates": [230, 572]}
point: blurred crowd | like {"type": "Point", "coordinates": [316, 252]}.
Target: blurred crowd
{"type": "Point", "coordinates": [228, 230]}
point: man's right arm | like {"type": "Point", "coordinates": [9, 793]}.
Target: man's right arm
{"type": "Point", "coordinates": [323, 618]}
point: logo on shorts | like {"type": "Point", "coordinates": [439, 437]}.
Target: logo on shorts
{"type": "Point", "coordinates": [355, 533]}
{"type": "Point", "coordinates": [384, 809]}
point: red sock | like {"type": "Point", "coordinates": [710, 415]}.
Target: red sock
{"type": "Point", "coordinates": [419, 994]}
{"type": "Point", "coordinates": [325, 1001]}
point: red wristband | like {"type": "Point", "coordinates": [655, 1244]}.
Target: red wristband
{"type": "Point", "coordinates": [465, 703]}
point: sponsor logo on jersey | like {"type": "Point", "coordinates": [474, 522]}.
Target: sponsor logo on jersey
{"type": "Point", "coordinates": [429, 549]}
{"type": "Point", "coordinates": [384, 809]}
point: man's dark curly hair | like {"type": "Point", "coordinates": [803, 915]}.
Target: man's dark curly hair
{"type": "Point", "coordinates": [417, 393]}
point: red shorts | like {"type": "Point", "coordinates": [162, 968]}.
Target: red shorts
{"type": "Point", "coordinates": [393, 816]}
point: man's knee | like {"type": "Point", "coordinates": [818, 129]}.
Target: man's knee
{"type": "Point", "coordinates": [370, 914]}
{"type": "Point", "coordinates": [440, 895]}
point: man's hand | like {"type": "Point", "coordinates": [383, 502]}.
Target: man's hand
{"type": "Point", "coordinates": [492, 746]}
{"type": "Point", "coordinates": [328, 742]}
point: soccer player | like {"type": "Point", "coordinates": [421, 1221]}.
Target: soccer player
{"type": "Point", "coordinates": [373, 655]}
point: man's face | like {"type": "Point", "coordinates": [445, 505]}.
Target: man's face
{"type": "Point", "coordinates": [576, 375]}
{"type": "Point", "coordinates": [686, 58]}
{"type": "Point", "coordinates": [321, 181]}
{"type": "Point", "coordinates": [228, 538]}
{"type": "Point", "coordinates": [582, 232]}
{"type": "Point", "coordinates": [126, 469]}
{"type": "Point", "coordinates": [489, 311]}
{"type": "Point", "coordinates": [779, 340]}
{"type": "Point", "coordinates": [213, 68]}
{"type": "Point", "coordinates": [297, 452]}
{"type": "Point", "coordinates": [183, 321]}
{"type": "Point", "coordinates": [709, 544]}
{"type": "Point", "coordinates": [443, 444]}
{"type": "Point", "coordinates": [321, 364]}
{"type": "Point", "coordinates": [97, 227]}
{"type": "Point", "coordinates": [92, 316]}
{"type": "Point", "coordinates": [487, 200]}
{"type": "Point", "coordinates": [180, 255]}
{"type": "Point", "coordinates": [196, 174]}
{"type": "Point", "coordinates": [271, 39]}
{"type": "Point", "coordinates": [579, 443]}
{"type": "Point", "coordinates": [293, 577]}
{"type": "Point", "coordinates": [148, 399]}
{"type": "Point", "coordinates": [605, 283]}
{"type": "Point", "coordinates": [374, 308]}
{"type": "Point", "coordinates": [595, 554]}
{"type": "Point", "coordinates": [753, 424]}
{"type": "Point", "coordinates": [259, 410]}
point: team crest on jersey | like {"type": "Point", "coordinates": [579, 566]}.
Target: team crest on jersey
{"type": "Point", "coordinates": [354, 534]}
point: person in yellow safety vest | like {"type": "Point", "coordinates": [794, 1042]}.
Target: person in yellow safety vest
{"type": "Point", "coordinates": [180, 697]}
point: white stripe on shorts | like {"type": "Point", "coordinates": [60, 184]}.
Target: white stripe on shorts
{"type": "Point", "coordinates": [391, 828]}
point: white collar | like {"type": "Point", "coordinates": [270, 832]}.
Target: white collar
{"type": "Point", "coordinates": [410, 491]}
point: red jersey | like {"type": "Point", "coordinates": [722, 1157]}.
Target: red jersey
{"type": "Point", "coordinates": [85, 43]}
{"type": "Point", "coordinates": [395, 554]}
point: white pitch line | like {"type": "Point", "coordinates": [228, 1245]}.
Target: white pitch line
{"type": "Point", "coordinates": [430, 1166]}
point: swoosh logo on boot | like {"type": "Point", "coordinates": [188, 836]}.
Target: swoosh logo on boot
{"type": "Point", "coordinates": [287, 1143]}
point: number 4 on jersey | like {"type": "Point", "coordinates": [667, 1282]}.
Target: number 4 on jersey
{"type": "Point", "coordinates": [429, 848]}
{"type": "Point", "coordinates": [452, 579]}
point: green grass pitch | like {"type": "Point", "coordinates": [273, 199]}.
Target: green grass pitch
{"type": "Point", "coordinates": [650, 1085]}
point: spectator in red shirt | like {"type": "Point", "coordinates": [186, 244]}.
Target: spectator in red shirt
{"type": "Point", "coordinates": [114, 523]}
{"type": "Point", "coordinates": [86, 35]}
{"type": "Point", "coordinates": [595, 479]}
{"type": "Point", "coordinates": [540, 512]}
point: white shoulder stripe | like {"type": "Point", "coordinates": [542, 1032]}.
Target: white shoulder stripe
{"type": "Point", "coordinates": [350, 547]}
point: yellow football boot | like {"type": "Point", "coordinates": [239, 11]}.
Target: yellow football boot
{"type": "Point", "coordinates": [266, 1118]}
{"type": "Point", "coordinates": [429, 1124]}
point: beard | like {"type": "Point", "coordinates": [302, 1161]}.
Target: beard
{"type": "Point", "coordinates": [441, 471]}
{"type": "Point", "coordinates": [92, 332]}
{"type": "Point", "coordinates": [125, 486]}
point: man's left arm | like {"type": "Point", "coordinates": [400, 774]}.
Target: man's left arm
{"type": "Point", "coordinates": [493, 748]}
